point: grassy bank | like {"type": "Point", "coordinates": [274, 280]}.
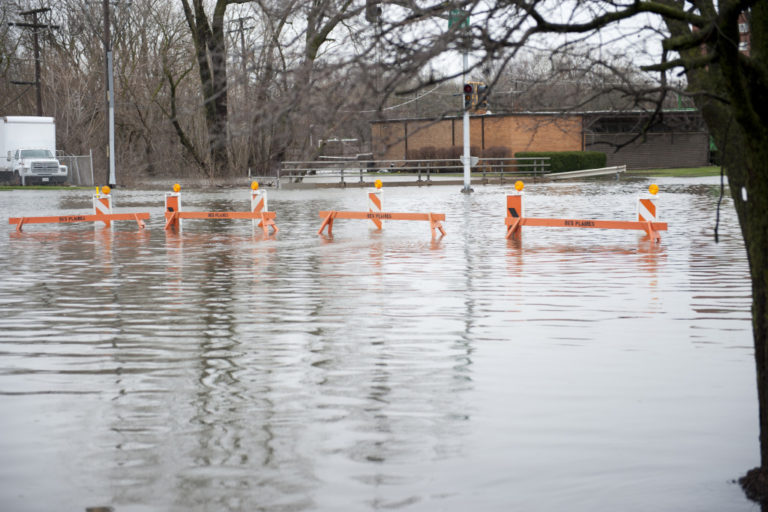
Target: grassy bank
{"type": "Point", "coordinates": [691, 172]}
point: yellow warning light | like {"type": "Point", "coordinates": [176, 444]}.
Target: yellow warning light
{"type": "Point", "coordinates": [653, 189]}
{"type": "Point", "coordinates": [106, 190]}
{"type": "Point", "coordinates": [378, 183]}
{"type": "Point", "coordinates": [519, 185]}
{"type": "Point", "coordinates": [176, 187]}
{"type": "Point", "coordinates": [254, 185]}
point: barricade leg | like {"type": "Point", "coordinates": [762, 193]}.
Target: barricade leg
{"type": "Point", "coordinates": [435, 224]}
{"type": "Point", "coordinates": [513, 230]}
{"type": "Point", "coordinates": [328, 221]}
{"type": "Point", "coordinates": [652, 232]}
{"type": "Point", "coordinates": [172, 209]}
{"type": "Point", "coordinates": [172, 220]}
{"type": "Point", "coordinates": [266, 222]}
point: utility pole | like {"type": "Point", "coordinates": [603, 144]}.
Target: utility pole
{"type": "Point", "coordinates": [241, 29]}
{"type": "Point", "coordinates": [243, 61]}
{"type": "Point", "coordinates": [111, 180]}
{"type": "Point", "coordinates": [35, 26]}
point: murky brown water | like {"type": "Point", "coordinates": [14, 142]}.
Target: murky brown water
{"type": "Point", "coordinates": [213, 370]}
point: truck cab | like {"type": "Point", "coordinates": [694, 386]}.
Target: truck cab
{"type": "Point", "coordinates": [30, 166]}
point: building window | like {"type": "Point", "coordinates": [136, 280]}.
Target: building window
{"type": "Point", "coordinates": [743, 28]}
{"type": "Point", "coordinates": [743, 46]}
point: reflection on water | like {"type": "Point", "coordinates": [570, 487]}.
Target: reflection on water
{"type": "Point", "coordinates": [215, 370]}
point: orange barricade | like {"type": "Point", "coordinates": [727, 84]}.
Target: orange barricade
{"type": "Point", "coordinates": [647, 221]}
{"type": "Point", "coordinates": [646, 206]}
{"type": "Point", "coordinates": [375, 204]}
{"type": "Point", "coordinates": [377, 216]}
{"type": "Point", "coordinates": [331, 215]}
{"type": "Point", "coordinates": [102, 212]}
{"type": "Point", "coordinates": [264, 218]}
{"type": "Point", "coordinates": [102, 205]}
{"type": "Point", "coordinates": [174, 214]}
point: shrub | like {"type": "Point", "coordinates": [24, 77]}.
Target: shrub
{"type": "Point", "coordinates": [562, 161]}
{"type": "Point", "coordinates": [428, 153]}
{"type": "Point", "coordinates": [496, 152]}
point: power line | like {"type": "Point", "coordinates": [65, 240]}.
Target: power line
{"type": "Point", "coordinates": [35, 25]}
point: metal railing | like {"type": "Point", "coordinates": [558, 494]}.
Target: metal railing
{"type": "Point", "coordinates": [421, 170]}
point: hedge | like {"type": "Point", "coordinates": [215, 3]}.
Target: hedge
{"type": "Point", "coordinates": [562, 161]}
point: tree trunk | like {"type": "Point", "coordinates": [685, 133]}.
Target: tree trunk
{"type": "Point", "coordinates": [740, 131]}
{"type": "Point", "coordinates": [752, 209]}
{"type": "Point", "coordinates": [218, 135]}
{"type": "Point", "coordinates": [729, 89]}
{"type": "Point", "coordinates": [210, 50]}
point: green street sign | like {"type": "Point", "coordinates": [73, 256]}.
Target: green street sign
{"type": "Point", "coordinates": [458, 17]}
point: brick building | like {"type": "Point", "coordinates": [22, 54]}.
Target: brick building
{"type": "Point", "coordinates": [676, 139]}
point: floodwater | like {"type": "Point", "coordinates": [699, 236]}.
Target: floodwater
{"type": "Point", "coordinates": [215, 370]}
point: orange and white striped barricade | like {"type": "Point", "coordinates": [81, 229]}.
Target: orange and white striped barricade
{"type": "Point", "coordinates": [173, 208]}
{"type": "Point", "coordinates": [515, 210]}
{"type": "Point", "coordinates": [375, 198]}
{"type": "Point", "coordinates": [646, 205]}
{"type": "Point", "coordinates": [102, 212]}
{"type": "Point", "coordinates": [435, 219]}
{"type": "Point", "coordinates": [259, 207]}
{"type": "Point", "coordinates": [514, 224]}
{"type": "Point", "coordinates": [174, 213]}
{"type": "Point", "coordinates": [102, 205]}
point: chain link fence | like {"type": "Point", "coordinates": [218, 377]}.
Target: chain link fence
{"type": "Point", "coordinates": [80, 169]}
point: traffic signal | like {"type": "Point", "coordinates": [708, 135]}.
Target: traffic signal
{"type": "Point", "coordinates": [469, 91]}
{"type": "Point", "coordinates": [482, 97]}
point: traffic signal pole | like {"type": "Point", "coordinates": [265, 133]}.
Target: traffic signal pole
{"type": "Point", "coordinates": [467, 157]}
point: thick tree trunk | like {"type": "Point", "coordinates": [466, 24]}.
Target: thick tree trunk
{"type": "Point", "coordinates": [730, 90]}
{"type": "Point", "coordinates": [218, 133]}
{"type": "Point", "coordinates": [752, 177]}
{"type": "Point", "coordinates": [210, 50]}
{"type": "Point", "coordinates": [745, 158]}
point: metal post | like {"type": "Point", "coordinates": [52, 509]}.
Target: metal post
{"type": "Point", "coordinates": [110, 96]}
{"type": "Point", "coordinates": [90, 155]}
{"type": "Point", "coordinates": [111, 93]}
{"type": "Point", "coordinates": [467, 189]}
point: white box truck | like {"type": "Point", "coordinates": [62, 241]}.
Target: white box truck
{"type": "Point", "coordinates": [28, 151]}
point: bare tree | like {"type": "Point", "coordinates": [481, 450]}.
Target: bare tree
{"type": "Point", "coordinates": [208, 36]}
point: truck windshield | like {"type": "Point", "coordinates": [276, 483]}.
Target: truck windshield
{"type": "Point", "coordinates": [36, 153]}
